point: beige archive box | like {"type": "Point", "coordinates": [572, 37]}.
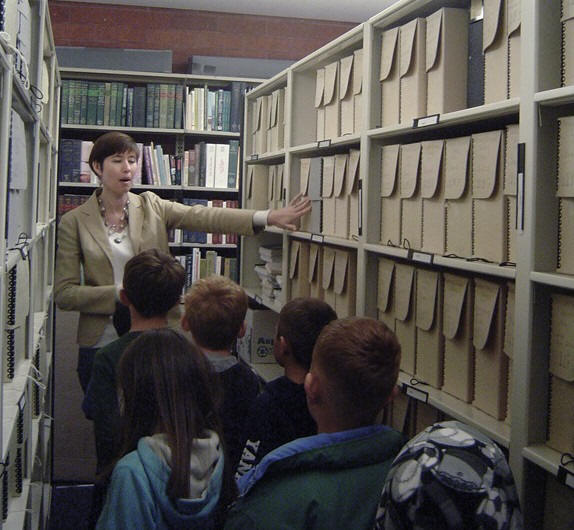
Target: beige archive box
{"type": "Point", "coordinates": [328, 196]}
{"type": "Point", "coordinates": [310, 185]}
{"type": "Point", "coordinates": [385, 295]}
{"type": "Point", "coordinates": [495, 48]}
{"type": "Point", "coordinates": [510, 183]}
{"type": "Point", "coordinates": [565, 194]}
{"type": "Point", "coordinates": [389, 77]}
{"type": "Point", "coordinates": [446, 60]}
{"type": "Point", "coordinates": [412, 70]}
{"type": "Point", "coordinates": [567, 43]}
{"type": "Point", "coordinates": [561, 421]}
{"type": "Point", "coordinates": [276, 136]}
{"type": "Point", "coordinates": [509, 341]}
{"type": "Point", "coordinates": [490, 362]}
{"type": "Point", "coordinates": [411, 200]}
{"type": "Point", "coordinates": [331, 100]}
{"type": "Point", "coordinates": [514, 47]}
{"type": "Point", "coordinates": [457, 329]}
{"type": "Point", "coordinates": [272, 192]}
{"type": "Point", "coordinates": [432, 193]}
{"type": "Point", "coordinates": [390, 195]}
{"type": "Point", "coordinates": [358, 90]}
{"type": "Point", "coordinates": [489, 236]}
{"type": "Point", "coordinates": [278, 186]}
{"type": "Point", "coordinates": [260, 125]}
{"type": "Point", "coordinates": [346, 95]}
{"type": "Point", "coordinates": [299, 269]}
{"type": "Point", "coordinates": [320, 103]}
{"type": "Point", "coordinates": [345, 283]}
{"type": "Point", "coordinates": [268, 124]}
{"type": "Point", "coordinates": [328, 276]}
{"type": "Point", "coordinates": [430, 340]}
{"type": "Point", "coordinates": [256, 196]}
{"type": "Point", "coordinates": [353, 192]}
{"type": "Point", "coordinates": [405, 326]}
{"type": "Point", "coordinates": [315, 275]}
{"type": "Point", "coordinates": [256, 346]}
{"type": "Point", "coordinates": [341, 196]}
{"type": "Point", "coordinates": [458, 196]}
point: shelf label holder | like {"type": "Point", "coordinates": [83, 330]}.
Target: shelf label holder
{"type": "Point", "coordinates": [323, 143]}
{"type": "Point", "coordinates": [565, 476]}
{"type": "Point", "coordinates": [415, 393]}
{"type": "Point", "coordinates": [426, 121]}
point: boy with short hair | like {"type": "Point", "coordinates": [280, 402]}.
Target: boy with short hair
{"type": "Point", "coordinates": [280, 412]}
{"type": "Point", "coordinates": [215, 309]}
{"type": "Point", "coordinates": [332, 479]}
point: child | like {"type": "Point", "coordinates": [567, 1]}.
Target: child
{"type": "Point", "coordinates": [332, 479]}
{"type": "Point", "coordinates": [215, 309]}
{"type": "Point", "coordinates": [172, 472]}
{"type": "Point", "coordinates": [449, 476]}
{"type": "Point", "coordinates": [280, 413]}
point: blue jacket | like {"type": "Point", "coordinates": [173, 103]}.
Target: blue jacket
{"type": "Point", "coordinates": [326, 481]}
{"type": "Point", "coordinates": [137, 495]}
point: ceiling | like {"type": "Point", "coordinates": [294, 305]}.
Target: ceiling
{"type": "Point", "coordinates": [339, 10]}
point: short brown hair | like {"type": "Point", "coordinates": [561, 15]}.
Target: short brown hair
{"type": "Point", "coordinates": [300, 322]}
{"type": "Point", "coordinates": [109, 144]}
{"type": "Point", "coordinates": [215, 308]}
{"type": "Point", "coordinates": [359, 357]}
{"type": "Point", "coordinates": [153, 282]}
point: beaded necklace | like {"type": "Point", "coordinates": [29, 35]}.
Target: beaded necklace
{"type": "Point", "coordinates": [120, 228]}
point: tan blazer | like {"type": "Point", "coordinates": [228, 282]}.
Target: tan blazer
{"type": "Point", "coordinates": [83, 242]}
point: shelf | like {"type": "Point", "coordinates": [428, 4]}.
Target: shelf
{"type": "Point", "coordinates": [484, 113]}
{"type": "Point", "coordinates": [151, 187]}
{"type": "Point", "coordinates": [267, 371]}
{"type": "Point", "coordinates": [266, 157]}
{"type": "Point", "coordinates": [544, 456]}
{"type": "Point", "coordinates": [499, 431]}
{"type": "Point", "coordinates": [201, 245]}
{"type": "Point", "coordinates": [255, 293]}
{"type": "Point", "coordinates": [325, 240]}
{"type": "Point", "coordinates": [325, 147]}
{"type": "Point", "coordinates": [555, 97]}
{"type": "Point", "coordinates": [148, 130]}
{"type": "Point", "coordinates": [553, 279]}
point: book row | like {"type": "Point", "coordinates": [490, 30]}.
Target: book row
{"type": "Point", "coordinates": [201, 264]}
{"type": "Point", "coordinates": [157, 105]}
{"type": "Point", "coordinates": [206, 165]}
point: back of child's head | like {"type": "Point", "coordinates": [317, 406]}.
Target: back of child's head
{"type": "Point", "coordinates": [300, 322]}
{"type": "Point", "coordinates": [167, 386]}
{"type": "Point", "coordinates": [359, 360]}
{"type": "Point", "coordinates": [153, 282]}
{"type": "Point", "coordinates": [449, 476]}
{"type": "Point", "coordinates": [215, 309]}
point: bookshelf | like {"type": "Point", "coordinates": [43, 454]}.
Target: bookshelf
{"type": "Point", "coordinates": [189, 129]}
{"type": "Point", "coordinates": [453, 235]}
{"type": "Point", "coordinates": [28, 159]}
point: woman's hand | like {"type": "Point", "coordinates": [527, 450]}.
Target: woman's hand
{"type": "Point", "coordinates": [289, 216]}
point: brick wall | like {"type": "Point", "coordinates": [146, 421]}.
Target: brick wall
{"type": "Point", "coordinates": [188, 32]}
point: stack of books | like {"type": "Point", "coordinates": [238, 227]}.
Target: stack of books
{"type": "Point", "coordinates": [270, 271]}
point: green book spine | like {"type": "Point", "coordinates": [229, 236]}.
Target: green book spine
{"type": "Point", "coordinates": [124, 111]}
{"type": "Point", "coordinates": [113, 104]}
{"type": "Point", "coordinates": [170, 113]}
{"type": "Point", "coordinates": [92, 103]}
{"type": "Point", "coordinates": [101, 103]}
{"type": "Point", "coordinates": [64, 96]}
{"type": "Point", "coordinates": [233, 164]}
{"type": "Point", "coordinates": [178, 112]}
{"type": "Point", "coordinates": [74, 103]}
{"type": "Point", "coordinates": [107, 98]}
{"type": "Point", "coordinates": [149, 105]}
{"type": "Point", "coordinates": [163, 104]}
{"type": "Point", "coordinates": [226, 110]}
{"type": "Point", "coordinates": [156, 100]}
{"type": "Point", "coordinates": [83, 102]}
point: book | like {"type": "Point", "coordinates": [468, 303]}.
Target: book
{"type": "Point", "coordinates": [190, 236]}
{"type": "Point", "coordinates": [210, 150]}
{"type": "Point", "coordinates": [233, 165]}
{"type": "Point", "coordinates": [221, 171]}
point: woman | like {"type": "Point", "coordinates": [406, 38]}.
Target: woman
{"type": "Point", "coordinates": [171, 473]}
{"type": "Point", "coordinates": [96, 239]}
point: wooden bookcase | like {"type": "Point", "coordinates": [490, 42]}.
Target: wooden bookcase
{"type": "Point", "coordinates": [518, 268]}
{"type": "Point", "coordinates": [28, 161]}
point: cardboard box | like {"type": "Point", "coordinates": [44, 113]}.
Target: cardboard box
{"type": "Point", "coordinates": [390, 195]}
{"type": "Point", "coordinates": [256, 193]}
{"type": "Point", "coordinates": [567, 43]}
{"type": "Point", "coordinates": [510, 178]}
{"type": "Point", "coordinates": [315, 275]}
{"type": "Point", "coordinates": [310, 185]}
{"type": "Point", "coordinates": [457, 329]}
{"type": "Point", "coordinates": [385, 295]}
{"type": "Point", "coordinates": [331, 100]}
{"type": "Point", "coordinates": [413, 76]}
{"type": "Point", "coordinates": [411, 200]}
{"type": "Point", "coordinates": [346, 95]}
{"type": "Point", "coordinates": [355, 222]}
{"type": "Point", "coordinates": [319, 103]}
{"type": "Point", "coordinates": [495, 48]}
{"type": "Point", "coordinates": [458, 196]}
{"type": "Point", "coordinates": [389, 77]}
{"type": "Point", "coordinates": [256, 346]}
{"type": "Point", "coordinates": [561, 418]}
{"type": "Point", "coordinates": [491, 364]}
{"type": "Point", "coordinates": [405, 326]}
{"type": "Point", "coordinates": [328, 196]}
{"type": "Point", "coordinates": [509, 341]}
{"type": "Point", "coordinates": [446, 60]}
{"type": "Point", "coordinates": [565, 194]}
{"type": "Point", "coordinates": [299, 269]}
{"type": "Point", "coordinates": [490, 230]}
{"type": "Point", "coordinates": [342, 203]}
{"type": "Point", "coordinates": [358, 90]}
{"type": "Point", "coordinates": [430, 340]}
{"type": "Point", "coordinates": [514, 47]}
{"type": "Point", "coordinates": [432, 193]}
{"type": "Point", "coordinates": [345, 283]}
{"type": "Point", "coordinates": [328, 276]}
